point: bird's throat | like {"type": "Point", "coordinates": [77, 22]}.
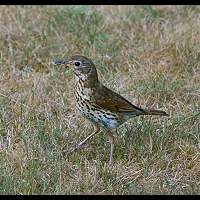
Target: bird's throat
{"type": "Point", "coordinates": [87, 80]}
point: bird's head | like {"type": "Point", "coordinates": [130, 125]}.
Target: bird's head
{"type": "Point", "coordinates": [82, 66]}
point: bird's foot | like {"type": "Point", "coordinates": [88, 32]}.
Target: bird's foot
{"type": "Point", "coordinates": [110, 164]}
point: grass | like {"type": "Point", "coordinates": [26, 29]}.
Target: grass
{"type": "Point", "coordinates": [149, 54]}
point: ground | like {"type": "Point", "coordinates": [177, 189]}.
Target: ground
{"type": "Point", "coordinates": [148, 54]}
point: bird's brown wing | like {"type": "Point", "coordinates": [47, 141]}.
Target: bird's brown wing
{"type": "Point", "coordinates": [109, 100]}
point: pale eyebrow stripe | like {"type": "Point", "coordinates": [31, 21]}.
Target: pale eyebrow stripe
{"type": "Point", "coordinates": [85, 62]}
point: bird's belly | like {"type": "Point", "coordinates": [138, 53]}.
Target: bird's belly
{"type": "Point", "coordinates": [102, 118]}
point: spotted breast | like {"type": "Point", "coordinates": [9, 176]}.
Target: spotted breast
{"type": "Point", "coordinates": [90, 110]}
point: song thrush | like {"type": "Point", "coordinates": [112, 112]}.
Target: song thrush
{"type": "Point", "coordinates": [105, 108]}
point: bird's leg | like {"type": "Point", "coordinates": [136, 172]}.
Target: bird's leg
{"type": "Point", "coordinates": [111, 141]}
{"type": "Point", "coordinates": [97, 130]}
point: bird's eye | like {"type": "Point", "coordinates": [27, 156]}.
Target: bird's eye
{"type": "Point", "coordinates": [77, 63]}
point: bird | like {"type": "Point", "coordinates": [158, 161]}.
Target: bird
{"type": "Point", "coordinates": [105, 108]}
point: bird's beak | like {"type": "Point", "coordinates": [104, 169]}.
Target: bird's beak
{"type": "Point", "coordinates": [62, 62]}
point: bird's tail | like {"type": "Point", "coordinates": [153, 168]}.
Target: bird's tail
{"type": "Point", "coordinates": [155, 112]}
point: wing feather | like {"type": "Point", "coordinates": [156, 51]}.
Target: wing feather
{"type": "Point", "coordinates": [114, 102]}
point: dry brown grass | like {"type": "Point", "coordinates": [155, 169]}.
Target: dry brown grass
{"type": "Point", "coordinates": [149, 54]}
